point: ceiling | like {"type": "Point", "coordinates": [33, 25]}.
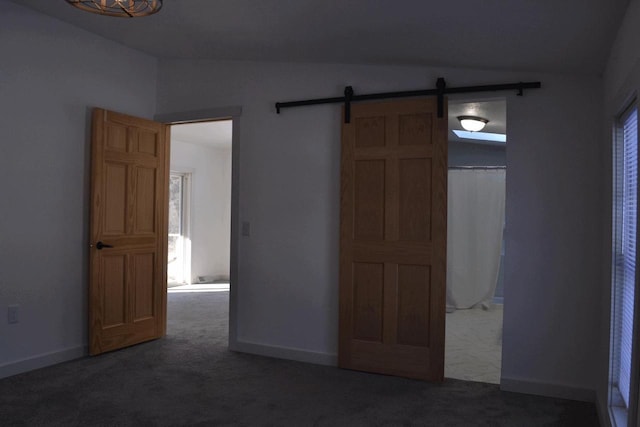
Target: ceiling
{"type": "Point", "coordinates": [209, 134]}
{"type": "Point", "coordinates": [536, 35]}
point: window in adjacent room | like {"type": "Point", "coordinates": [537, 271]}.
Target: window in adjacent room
{"type": "Point", "coordinates": [179, 244]}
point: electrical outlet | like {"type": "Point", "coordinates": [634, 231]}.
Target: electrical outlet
{"type": "Point", "coordinates": [13, 314]}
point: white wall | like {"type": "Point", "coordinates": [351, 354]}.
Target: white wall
{"type": "Point", "coordinates": [289, 192]}
{"type": "Point", "coordinates": [210, 204]}
{"type": "Point", "coordinates": [476, 154]}
{"type": "Point", "coordinates": [51, 74]}
{"type": "Point", "coordinates": [621, 84]}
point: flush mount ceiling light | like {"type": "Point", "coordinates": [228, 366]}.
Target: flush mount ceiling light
{"type": "Point", "coordinates": [121, 8]}
{"type": "Point", "coordinates": [472, 123]}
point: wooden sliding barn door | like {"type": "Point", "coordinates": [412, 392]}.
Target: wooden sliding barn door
{"type": "Point", "coordinates": [393, 239]}
{"type": "Point", "coordinates": [129, 186]}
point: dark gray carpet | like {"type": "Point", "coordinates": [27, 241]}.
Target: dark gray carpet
{"type": "Point", "coordinates": [190, 379]}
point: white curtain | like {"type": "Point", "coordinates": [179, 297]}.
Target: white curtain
{"type": "Point", "coordinates": [475, 225]}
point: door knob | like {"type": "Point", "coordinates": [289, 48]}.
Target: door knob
{"type": "Point", "coordinates": [101, 245]}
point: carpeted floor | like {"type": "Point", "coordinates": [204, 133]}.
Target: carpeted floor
{"type": "Point", "coordinates": [473, 345]}
{"type": "Point", "coordinates": [190, 379]}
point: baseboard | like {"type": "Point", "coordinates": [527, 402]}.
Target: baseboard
{"type": "Point", "coordinates": [288, 353]}
{"type": "Point", "coordinates": [560, 391]}
{"type": "Point", "coordinates": [42, 361]}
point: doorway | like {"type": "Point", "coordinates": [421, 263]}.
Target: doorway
{"type": "Point", "coordinates": [199, 218]}
{"type": "Point", "coordinates": [475, 249]}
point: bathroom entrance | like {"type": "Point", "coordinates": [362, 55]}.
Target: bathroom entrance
{"type": "Point", "coordinates": [475, 251]}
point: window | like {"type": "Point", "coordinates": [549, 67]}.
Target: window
{"type": "Point", "coordinates": [625, 238]}
{"type": "Point", "coordinates": [178, 262]}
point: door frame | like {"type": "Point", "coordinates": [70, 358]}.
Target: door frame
{"type": "Point", "coordinates": [232, 113]}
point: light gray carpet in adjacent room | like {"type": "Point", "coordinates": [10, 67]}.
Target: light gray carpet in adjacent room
{"type": "Point", "coordinates": [189, 378]}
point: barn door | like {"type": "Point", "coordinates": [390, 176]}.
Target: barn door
{"type": "Point", "coordinates": [128, 277]}
{"type": "Point", "coordinates": [393, 239]}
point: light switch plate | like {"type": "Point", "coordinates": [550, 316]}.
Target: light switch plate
{"type": "Point", "coordinates": [13, 314]}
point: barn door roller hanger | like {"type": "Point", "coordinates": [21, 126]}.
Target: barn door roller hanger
{"type": "Point", "coordinates": [440, 91]}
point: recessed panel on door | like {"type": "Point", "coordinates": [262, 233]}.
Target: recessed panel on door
{"type": "Point", "coordinates": [148, 142]}
{"type": "Point", "coordinates": [415, 129]}
{"type": "Point", "coordinates": [143, 267]}
{"type": "Point", "coordinates": [368, 282]}
{"type": "Point", "coordinates": [369, 199]}
{"type": "Point", "coordinates": [114, 290]}
{"type": "Point", "coordinates": [115, 199]}
{"type": "Point", "coordinates": [370, 131]}
{"type": "Point", "coordinates": [145, 200]}
{"type": "Point", "coordinates": [414, 288]}
{"type": "Point", "coordinates": [415, 199]}
{"type": "Point", "coordinates": [116, 138]}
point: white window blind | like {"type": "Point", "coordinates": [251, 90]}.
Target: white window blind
{"type": "Point", "coordinates": [626, 236]}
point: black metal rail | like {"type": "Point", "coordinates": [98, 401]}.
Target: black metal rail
{"type": "Point", "coordinates": [440, 91]}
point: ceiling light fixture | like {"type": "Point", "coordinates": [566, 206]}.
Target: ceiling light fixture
{"type": "Point", "coordinates": [472, 123]}
{"type": "Point", "coordinates": [121, 8]}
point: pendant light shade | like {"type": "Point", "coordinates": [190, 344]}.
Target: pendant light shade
{"type": "Point", "coordinates": [472, 123]}
{"type": "Point", "coordinates": [121, 8]}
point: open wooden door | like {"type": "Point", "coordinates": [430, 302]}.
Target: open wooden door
{"type": "Point", "coordinates": [128, 273]}
{"type": "Point", "coordinates": [393, 239]}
